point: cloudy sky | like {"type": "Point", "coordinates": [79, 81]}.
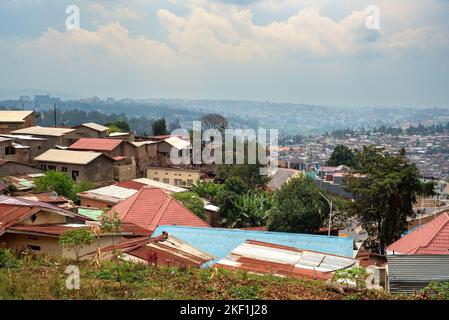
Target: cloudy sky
{"type": "Point", "coordinates": [310, 51]}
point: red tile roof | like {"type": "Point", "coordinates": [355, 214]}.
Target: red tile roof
{"type": "Point", "coordinates": [431, 238]}
{"type": "Point", "coordinates": [151, 207]}
{"type": "Point", "coordinates": [130, 185]}
{"type": "Point", "coordinates": [96, 144]}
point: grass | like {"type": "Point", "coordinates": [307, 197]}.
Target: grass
{"type": "Point", "coordinates": [37, 277]}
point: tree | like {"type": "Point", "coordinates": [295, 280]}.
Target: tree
{"type": "Point", "coordinates": [192, 202]}
{"type": "Point", "coordinates": [159, 127]}
{"type": "Point", "coordinates": [62, 184]}
{"type": "Point", "coordinates": [119, 125]}
{"type": "Point", "coordinates": [111, 224]}
{"type": "Point", "coordinates": [214, 121]}
{"type": "Point", "coordinates": [206, 189]}
{"type": "Point", "coordinates": [298, 207]}
{"type": "Point", "coordinates": [385, 187]}
{"type": "Point", "coordinates": [76, 239]}
{"type": "Point", "coordinates": [341, 155]}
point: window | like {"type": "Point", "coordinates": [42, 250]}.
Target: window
{"type": "Point", "coordinates": [10, 150]}
{"type": "Point", "coordinates": [33, 247]}
{"type": "Point", "coordinates": [33, 218]}
{"type": "Point", "coordinates": [43, 167]}
{"type": "Point", "coordinates": [52, 168]}
{"type": "Point", "coordinates": [177, 182]}
{"type": "Point", "coordinates": [75, 174]}
{"type": "Point", "coordinates": [156, 179]}
{"type": "Point", "coordinates": [190, 182]}
{"type": "Point", "coordinates": [166, 180]}
{"type": "Point", "coordinates": [64, 169]}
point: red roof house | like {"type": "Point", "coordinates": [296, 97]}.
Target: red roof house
{"type": "Point", "coordinates": [151, 207]}
{"type": "Point", "coordinates": [431, 238]}
{"type": "Point", "coordinates": [96, 144]}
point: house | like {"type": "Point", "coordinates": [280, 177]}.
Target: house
{"type": "Point", "coordinates": [105, 197]}
{"type": "Point", "coordinates": [165, 147]}
{"type": "Point", "coordinates": [168, 188]}
{"type": "Point", "coordinates": [220, 242]}
{"type": "Point", "coordinates": [50, 197]}
{"type": "Point", "coordinates": [35, 145]}
{"type": "Point", "coordinates": [151, 207]}
{"type": "Point", "coordinates": [80, 165]}
{"type": "Point", "coordinates": [129, 136]}
{"type": "Point", "coordinates": [430, 238]}
{"type": "Point", "coordinates": [12, 151]}
{"type": "Point", "coordinates": [91, 130]}
{"type": "Point", "coordinates": [121, 151]}
{"type": "Point", "coordinates": [13, 168]}
{"type": "Point", "coordinates": [36, 226]}
{"type": "Point", "coordinates": [176, 176]}
{"type": "Point", "coordinates": [145, 154]}
{"type": "Point", "coordinates": [262, 257]}
{"type": "Point", "coordinates": [54, 136]}
{"type": "Point", "coordinates": [11, 120]}
{"type": "Point", "coordinates": [162, 250]}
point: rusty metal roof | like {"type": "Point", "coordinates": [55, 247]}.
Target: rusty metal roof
{"type": "Point", "coordinates": [262, 257]}
{"type": "Point", "coordinates": [12, 214]}
{"type": "Point", "coordinates": [96, 144]}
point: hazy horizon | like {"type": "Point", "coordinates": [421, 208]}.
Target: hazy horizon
{"type": "Point", "coordinates": [282, 51]}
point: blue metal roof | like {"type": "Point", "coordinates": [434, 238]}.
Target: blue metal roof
{"type": "Point", "coordinates": [220, 242]}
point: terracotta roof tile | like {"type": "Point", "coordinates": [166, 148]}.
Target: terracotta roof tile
{"type": "Point", "coordinates": [431, 238]}
{"type": "Point", "coordinates": [151, 207]}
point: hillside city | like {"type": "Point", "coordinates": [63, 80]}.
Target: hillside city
{"type": "Point", "coordinates": [102, 191]}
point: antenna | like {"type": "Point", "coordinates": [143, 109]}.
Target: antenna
{"type": "Point", "coordinates": [54, 111]}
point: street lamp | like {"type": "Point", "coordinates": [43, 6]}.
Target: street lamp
{"type": "Point", "coordinates": [330, 213]}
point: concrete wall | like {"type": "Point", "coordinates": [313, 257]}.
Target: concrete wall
{"type": "Point", "coordinates": [175, 177]}
{"type": "Point", "coordinates": [16, 169]}
{"type": "Point", "coordinates": [91, 203]}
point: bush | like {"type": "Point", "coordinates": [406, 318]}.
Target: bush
{"type": "Point", "coordinates": [8, 259]}
{"type": "Point", "coordinates": [436, 291]}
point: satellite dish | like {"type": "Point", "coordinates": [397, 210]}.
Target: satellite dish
{"type": "Point", "coordinates": [53, 195]}
{"type": "Point", "coordinates": [362, 235]}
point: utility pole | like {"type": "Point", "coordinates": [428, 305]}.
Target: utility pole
{"type": "Point", "coordinates": [54, 111]}
{"type": "Point", "coordinates": [330, 213]}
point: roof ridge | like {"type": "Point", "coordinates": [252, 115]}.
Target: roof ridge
{"type": "Point", "coordinates": [436, 233]}
{"type": "Point", "coordinates": [160, 213]}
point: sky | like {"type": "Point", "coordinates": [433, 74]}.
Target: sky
{"type": "Point", "coordinates": [301, 51]}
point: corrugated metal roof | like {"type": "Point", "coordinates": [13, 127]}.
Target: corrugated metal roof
{"type": "Point", "coordinates": [23, 137]}
{"type": "Point", "coordinates": [262, 257]}
{"type": "Point", "coordinates": [95, 126]}
{"type": "Point", "coordinates": [177, 143]}
{"type": "Point", "coordinates": [31, 203]}
{"type": "Point", "coordinates": [407, 273]}
{"type": "Point", "coordinates": [96, 144]}
{"type": "Point", "coordinates": [220, 242]}
{"type": "Point", "coordinates": [112, 194]}
{"type": "Point", "coordinates": [14, 116]}
{"type": "Point", "coordinates": [44, 131]}
{"type": "Point", "coordinates": [161, 185]}
{"type": "Point", "coordinates": [93, 214]}
{"type": "Point", "coordinates": [68, 156]}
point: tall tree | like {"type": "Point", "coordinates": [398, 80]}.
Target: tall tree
{"type": "Point", "coordinates": [385, 187]}
{"type": "Point", "coordinates": [159, 127]}
{"type": "Point", "coordinates": [298, 207]}
{"type": "Point", "coordinates": [214, 121]}
{"type": "Point", "coordinates": [341, 155]}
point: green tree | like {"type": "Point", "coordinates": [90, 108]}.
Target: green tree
{"type": "Point", "coordinates": [214, 121]}
{"type": "Point", "coordinates": [341, 155]}
{"type": "Point", "coordinates": [192, 202]}
{"type": "Point", "coordinates": [206, 189]}
{"type": "Point", "coordinates": [159, 127]}
{"type": "Point", "coordinates": [385, 187]}
{"type": "Point", "coordinates": [76, 239]}
{"type": "Point", "coordinates": [111, 224]}
{"type": "Point", "coordinates": [118, 126]}
{"type": "Point", "coordinates": [298, 207]}
{"type": "Point", "coordinates": [62, 184]}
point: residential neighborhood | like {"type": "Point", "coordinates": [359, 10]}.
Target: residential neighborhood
{"type": "Point", "coordinates": [135, 182]}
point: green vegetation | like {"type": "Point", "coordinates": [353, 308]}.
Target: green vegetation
{"type": "Point", "coordinates": [192, 202]}
{"type": "Point", "coordinates": [118, 126]}
{"type": "Point", "coordinates": [76, 239]}
{"type": "Point", "coordinates": [62, 184]}
{"type": "Point", "coordinates": [384, 194]}
{"type": "Point", "coordinates": [298, 207]}
{"type": "Point", "coordinates": [341, 155]}
{"type": "Point", "coordinates": [159, 127]}
{"type": "Point", "coordinates": [39, 277]}
{"type": "Point", "coordinates": [206, 189]}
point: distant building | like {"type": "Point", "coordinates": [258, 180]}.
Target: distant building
{"type": "Point", "coordinates": [45, 101]}
{"type": "Point", "coordinates": [91, 130]}
{"type": "Point", "coordinates": [54, 136]}
{"type": "Point", "coordinates": [11, 120]}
